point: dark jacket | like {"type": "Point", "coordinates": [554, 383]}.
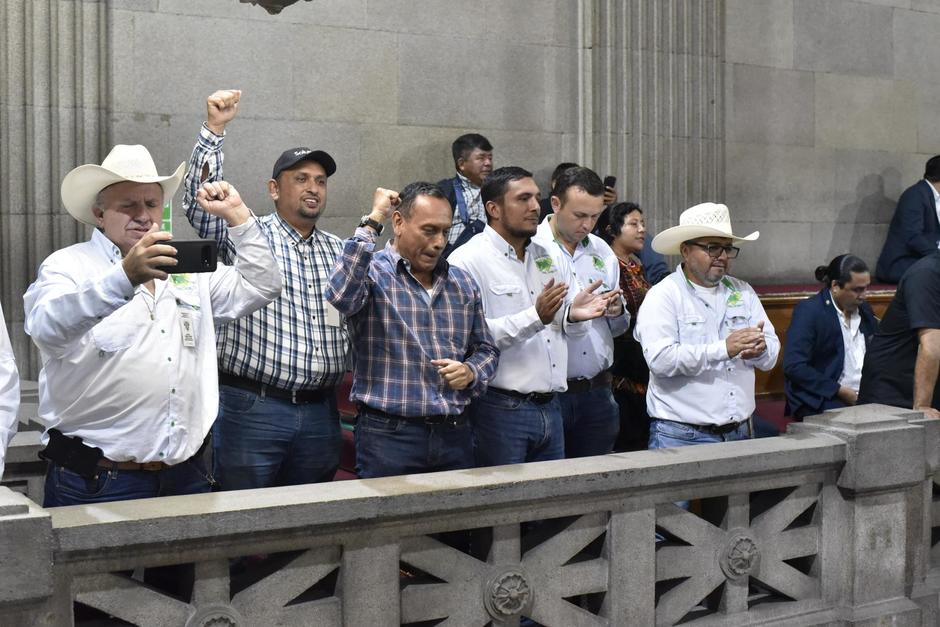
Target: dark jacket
{"type": "Point", "coordinates": [814, 354]}
{"type": "Point", "coordinates": [471, 227]}
{"type": "Point", "coordinates": [914, 233]}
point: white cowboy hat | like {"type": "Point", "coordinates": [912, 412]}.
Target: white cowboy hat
{"type": "Point", "coordinates": [123, 163]}
{"type": "Point", "coordinates": [705, 220]}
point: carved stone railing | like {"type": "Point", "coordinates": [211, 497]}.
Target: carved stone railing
{"type": "Point", "coordinates": [829, 524]}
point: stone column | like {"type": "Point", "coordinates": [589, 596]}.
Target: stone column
{"type": "Point", "coordinates": [54, 63]}
{"type": "Point", "coordinates": [26, 579]}
{"type": "Point", "coordinates": [651, 101]}
{"type": "Point", "coordinates": [877, 524]}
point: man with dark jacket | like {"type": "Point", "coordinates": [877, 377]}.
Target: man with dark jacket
{"type": "Point", "coordinates": [915, 227]}
{"type": "Point", "coordinates": [473, 159]}
{"type": "Point", "coordinates": [827, 339]}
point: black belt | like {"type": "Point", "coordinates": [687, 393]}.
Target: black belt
{"type": "Point", "coordinates": [713, 429]}
{"type": "Point", "coordinates": [539, 398]}
{"type": "Point", "coordinates": [602, 380]}
{"type": "Point", "coordinates": [436, 419]}
{"type": "Point", "coordinates": [298, 397]}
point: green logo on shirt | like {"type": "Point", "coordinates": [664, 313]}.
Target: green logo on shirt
{"type": "Point", "coordinates": [544, 264]}
{"type": "Point", "coordinates": [598, 262]}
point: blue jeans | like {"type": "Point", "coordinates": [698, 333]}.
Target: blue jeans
{"type": "Point", "coordinates": [387, 446]}
{"type": "Point", "coordinates": [667, 434]}
{"type": "Point", "coordinates": [592, 421]}
{"type": "Point", "coordinates": [259, 442]}
{"type": "Point", "coordinates": [64, 487]}
{"type": "Point", "coordinates": [508, 430]}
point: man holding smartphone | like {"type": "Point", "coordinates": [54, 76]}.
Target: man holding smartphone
{"type": "Point", "coordinates": [591, 415]}
{"type": "Point", "coordinates": [127, 388]}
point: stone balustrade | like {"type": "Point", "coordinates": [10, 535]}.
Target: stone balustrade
{"type": "Point", "coordinates": [830, 524]}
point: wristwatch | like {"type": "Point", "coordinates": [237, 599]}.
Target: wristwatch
{"type": "Point", "coordinates": [374, 224]}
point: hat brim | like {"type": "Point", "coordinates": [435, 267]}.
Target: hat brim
{"type": "Point", "coordinates": [669, 241]}
{"type": "Point", "coordinates": [81, 186]}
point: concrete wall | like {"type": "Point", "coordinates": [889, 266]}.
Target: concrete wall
{"type": "Point", "coordinates": [832, 108]}
{"type": "Point", "coordinates": [384, 86]}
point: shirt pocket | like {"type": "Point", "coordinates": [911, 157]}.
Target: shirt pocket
{"type": "Point", "coordinates": [112, 336]}
{"type": "Point", "coordinates": [691, 328]}
{"type": "Point", "coordinates": [733, 323]}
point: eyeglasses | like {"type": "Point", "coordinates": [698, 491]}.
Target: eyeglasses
{"type": "Point", "coordinates": [714, 250]}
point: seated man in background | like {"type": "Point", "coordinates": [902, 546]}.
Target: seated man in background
{"type": "Point", "coordinates": [473, 160]}
{"type": "Point", "coordinates": [826, 341]}
{"type": "Point", "coordinates": [421, 345]}
{"type": "Point", "coordinates": [129, 381]}
{"type": "Point", "coordinates": [915, 228]}
{"type": "Point", "coordinates": [703, 333]}
{"type": "Point", "coordinates": [903, 357]}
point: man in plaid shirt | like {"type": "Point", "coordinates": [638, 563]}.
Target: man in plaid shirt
{"type": "Point", "coordinates": [422, 347]}
{"type": "Point", "coordinates": [278, 423]}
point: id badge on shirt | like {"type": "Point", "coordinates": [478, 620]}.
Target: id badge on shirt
{"type": "Point", "coordinates": [333, 317]}
{"type": "Point", "coordinates": [188, 327]}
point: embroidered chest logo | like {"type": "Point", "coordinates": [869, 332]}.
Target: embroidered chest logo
{"type": "Point", "coordinates": [598, 262]}
{"type": "Point", "coordinates": [545, 264]}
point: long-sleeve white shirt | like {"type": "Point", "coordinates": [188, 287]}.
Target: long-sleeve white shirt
{"type": "Point", "coordinates": [591, 353]}
{"type": "Point", "coordinates": [692, 379]}
{"type": "Point", "coordinates": [133, 373]}
{"type": "Point", "coordinates": [9, 392]}
{"type": "Point", "coordinates": [533, 356]}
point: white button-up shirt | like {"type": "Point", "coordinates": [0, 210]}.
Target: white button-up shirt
{"type": "Point", "coordinates": [533, 356]}
{"type": "Point", "coordinates": [9, 392]}
{"type": "Point", "coordinates": [117, 368]}
{"type": "Point", "coordinates": [853, 341]}
{"type": "Point", "coordinates": [591, 353]}
{"type": "Point", "coordinates": [692, 380]}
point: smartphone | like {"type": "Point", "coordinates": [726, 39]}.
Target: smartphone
{"type": "Point", "coordinates": [610, 181]}
{"type": "Point", "coordinates": [196, 255]}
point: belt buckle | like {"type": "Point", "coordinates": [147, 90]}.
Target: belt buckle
{"type": "Point", "coordinates": [152, 466]}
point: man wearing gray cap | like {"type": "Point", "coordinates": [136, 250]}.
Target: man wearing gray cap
{"type": "Point", "coordinates": [703, 333]}
{"type": "Point", "coordinates": [278, 369]}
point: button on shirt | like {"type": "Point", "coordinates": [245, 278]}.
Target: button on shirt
{"type": "Point", "coordinates": [533, 356]}
{"type": "Point", "coordinates": [288, 344]}
{"type": "Point", "coordinates": [9, 392]}
{"type": "Point", "coordinates": [591, 353]}
{"type": "Point", "coordinates": [854, 342]}
{"type": "Point", "coordinates": [116, 372]}
{"type": "Point", "coordinates": [399, 326]}
{"type": "Point", "coordinates": [692, 380]}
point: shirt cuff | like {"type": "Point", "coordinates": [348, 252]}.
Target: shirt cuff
{"type": "Point", "coordinates": [365, 234]}
{"type": "Point", "coordinates": [717, 351]}
{"type": "Point", "coordinates": [209, 139]}
{"type": "Point", "coordinates": [238, 233]}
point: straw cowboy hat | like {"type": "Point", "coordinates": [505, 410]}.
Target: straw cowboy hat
{"type": "Point", "coordinates": [705, 220]}
{"type": "Point", "coordinates": [123, 163]}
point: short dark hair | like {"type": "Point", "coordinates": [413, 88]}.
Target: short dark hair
{"type": "Point", "coordinates": [840, 270]}
{"type": "Point", "coordinates": [561, 167]}
{"type": "Point", "coordinates": [465, 144]}
{"type": "Point", "coordinates": [410, 194]}
{"type": "Point", "coordinates": [611, 221]}
{"type": "Point", "coordinates": [932, 169]}
{"type": "Point", "coordinates": [585, 178]}
{"type": "Point", "coordinates": [495, 185]}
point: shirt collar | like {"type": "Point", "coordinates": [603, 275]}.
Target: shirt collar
{"type": "Point", "coordinates": [936, 194]}
{"type": "Point", "coordinates": [500, 244]}
{"type": "Point", "coordinates": [291, 232]}
{"type": "Point", "coordinates": [100, 241]}
{"type": "Point", "coordinates": [466, 182]}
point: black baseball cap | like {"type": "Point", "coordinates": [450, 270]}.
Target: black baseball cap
{"type": "Point", "coordinates": [291, 157]}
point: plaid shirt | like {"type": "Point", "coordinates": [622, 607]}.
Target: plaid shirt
{"type": "Point", "coordinates": [473, 203]}
{"type": "Point", "coordinates": [398, 328]}
{"type": "Point", "coordinates": [287, 344]}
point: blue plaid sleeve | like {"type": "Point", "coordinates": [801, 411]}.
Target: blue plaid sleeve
{"type": "Point", "coordinates": [207, 153]}
{"type": "Point", "coordinates": [348, 289]}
